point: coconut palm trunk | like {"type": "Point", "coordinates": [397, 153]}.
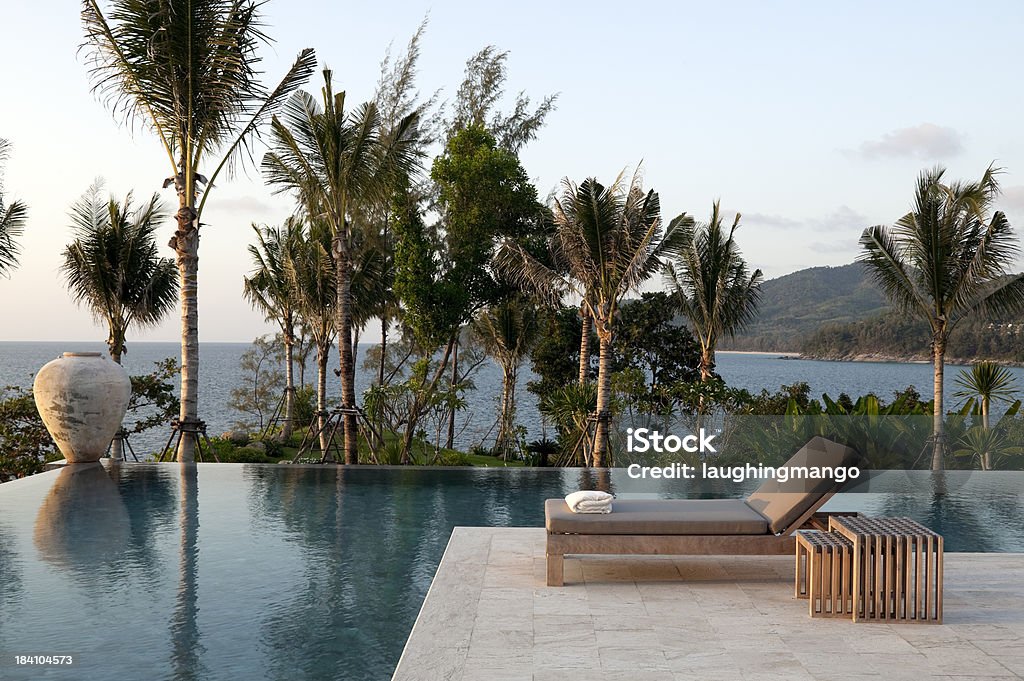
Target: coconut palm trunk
{"type": "Point", "coordinates": [586, 325]}
{"type": "Point", "coordinates": [289, 387]}
{"type": "Point", "coordinates": [117, 444]}
{"type": "Point", "coordinates": [344, 324]}
{"type": "Point", "coordinates": [185, 243]}
{"type": "Point", "coordinates": [322, 358]}
{"type": "Point", "coordinates": [938, 412]}
{"type": "Point", "coordinates": [707, 362]}
{"type": "Point", "coordinates": [505, 442]}
{"type": "Point", "coordinates": [604, 392]}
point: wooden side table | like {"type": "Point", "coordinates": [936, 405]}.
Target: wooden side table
{"type": "Point", "coordinates": [897, 569]}
{"type": "Point", "coordinates": [824, 563]}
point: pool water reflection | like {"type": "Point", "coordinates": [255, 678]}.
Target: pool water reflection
{"type": "Point", "coordinates": [229, 571]}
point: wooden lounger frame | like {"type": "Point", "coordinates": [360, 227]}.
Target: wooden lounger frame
{"type": "Point", "coordinates": [561, 545]}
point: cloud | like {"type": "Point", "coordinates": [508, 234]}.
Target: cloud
{"type": "Point", "coordinates": [768, 220]}
{"type": "Point", "coordinates": [926, 142]}
{"type": "Point", "coordinates": [842, 219]}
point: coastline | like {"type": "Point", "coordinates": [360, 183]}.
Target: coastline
{"type": "Point", "coordinates": [882, 358]}
{"type": "Point", "coordinates": [780, 353]}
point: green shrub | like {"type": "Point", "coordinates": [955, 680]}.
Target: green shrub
{"type": "Point", "coordinates": [452, 458]}
{"type": "Point", "coordinates": [272, 448]}
{"type": "Point", "coordinates": [305, 408]}
{"type": "Point", "coordinates": [244, 455]}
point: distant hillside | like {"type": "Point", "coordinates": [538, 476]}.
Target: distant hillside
{"type": "Point", "coordinates": [796, 305]}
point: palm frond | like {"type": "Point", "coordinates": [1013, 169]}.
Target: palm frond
{"type": "Point", "coordinates": [113, 265]}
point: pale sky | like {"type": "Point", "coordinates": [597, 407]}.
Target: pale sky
{"type": "Point", "coordinates": [812, 119]}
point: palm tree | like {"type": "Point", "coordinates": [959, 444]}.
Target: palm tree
{"type": "Point", "coordinates": [188, 71]}
{"type": "Point", "coordinates": [714, 287]}
{"type": "Point", "coordinates": [12, 222]}
{"type": "Point", "coordinates": [509, 331]}
{"type": "Point", "coordinates": [311, 276]}
{"type": "Point", "coordinates": [985, 382]}
{"type": "Point", "coordinates": [113, 267]}
{"type": "Point", "coordinates": [608, 241]}
{"type": "Point", "coordinates": [945, 260]}
{"type": "Point", "coordinates": [334, 160]}
{"type": "Point", "coordinates": [269, 289]}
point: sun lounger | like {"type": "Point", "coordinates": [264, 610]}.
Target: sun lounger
{"type": "Point", "coordinates": [761, 524]}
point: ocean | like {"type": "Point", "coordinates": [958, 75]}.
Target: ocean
{"type": "Point", "coordinates": [219, 373]}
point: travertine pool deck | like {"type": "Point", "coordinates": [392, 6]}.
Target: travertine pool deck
{"type": "Point", "coordinates": [489, 617]}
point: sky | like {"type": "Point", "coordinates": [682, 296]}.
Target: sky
{"type": "Point", "coordinates": [811, 119]}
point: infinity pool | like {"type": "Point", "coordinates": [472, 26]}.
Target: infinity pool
{"type": "Point", "coordinates": [230, 571]}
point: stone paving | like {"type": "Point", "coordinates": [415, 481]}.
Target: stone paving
{"type": "Point", "coordinates": [489, 617]}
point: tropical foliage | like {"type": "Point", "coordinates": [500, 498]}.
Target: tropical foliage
{"type": "Point", "coordinates": [12, 221]}
{"type": "Point", "coordinates": [269, 289]}
{"type": "Point", "coordinates": [508, 331]}
{"type": "Point", "coordinates": [608, 241]}
{"type": "Point", "coordinates": [188, 72]}
{"type": "Point", "coordinates": [945, 260]}
{"type": "Point", "coordinates": [113, 267]}
{"type": "Point", "coordinates": [715, 289]}
{"type": "Point", "coordinates": [333, 160]}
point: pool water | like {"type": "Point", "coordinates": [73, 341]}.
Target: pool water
{"type": "Point", "coordinates": [237, 571]}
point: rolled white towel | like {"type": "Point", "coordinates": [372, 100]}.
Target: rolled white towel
{"type": "Point", "coordinates": [589, 501]}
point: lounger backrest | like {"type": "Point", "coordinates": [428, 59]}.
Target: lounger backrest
{"type": "Point", "coordinates": [782, 504]}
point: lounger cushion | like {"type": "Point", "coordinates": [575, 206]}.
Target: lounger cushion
{"type": "Point", "coordinates": [783, 503]}
{"type": "Point", "coordinates": [658, 516]}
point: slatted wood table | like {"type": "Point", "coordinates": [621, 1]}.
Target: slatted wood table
{"type": "Point", "coordinates": [824, 562]}
{"type": "Point", "coordinates": [897, 569]}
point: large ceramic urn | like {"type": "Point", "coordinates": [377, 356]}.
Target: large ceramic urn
{"type": "Point", "coordinates": [82, 397]}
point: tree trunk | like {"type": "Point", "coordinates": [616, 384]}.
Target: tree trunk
{"type": "Point", "coordinates": [604, 385]}
{"type": "Point", "coordinates": [501, 442]}
{"type": "Point", "coordinates": [707, 363]}
{"type": "Point", "coordinates": [185, 243]}
{"type": "Point", "coordinates": [585, 327]}
{"type": "Point", "coordinates": [344, 324]}
{"type": "Point", "coordinates": [322, 356]}
{"type": "Point", "coordinates": [117, 444]}
{"type": "Point", "coordinates": [421, 400]}
{"type": "Point", "coordinates": [986, 459]}
{"type": "Point", "coordinates": [289, 385]}
{"type": "Point", "coordinates": [938, 428]}
{"type": "Point", "coordinates": [450, 440]}
{"type": "Point", "coordinates": [383, 349]}
{"type": "Point", "coordinates": [355, 353]}
{"type": "Point", "coordinates": [506, 441]}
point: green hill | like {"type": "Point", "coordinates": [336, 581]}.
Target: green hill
{"type": "Point", "coordinates": [796, 305]}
